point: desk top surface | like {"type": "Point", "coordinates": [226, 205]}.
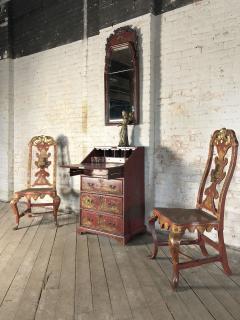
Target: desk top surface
{"type": "Point", "coordinates": [89, 165]}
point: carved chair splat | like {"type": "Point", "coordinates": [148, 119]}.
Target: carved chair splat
{"type": "Point", "coordinates": [209, 211]}
{"type": "Point", "coordinates": [41, 180]}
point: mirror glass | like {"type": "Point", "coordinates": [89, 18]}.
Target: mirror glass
{"type": "Point", "coordinates": [120, 89]}
{"type": "Point", "coordinates": [121, 76]}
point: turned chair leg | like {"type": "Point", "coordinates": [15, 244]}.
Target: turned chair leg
{"type": "Point", "coordinates": [151, 224]}
{"type": "Point", "coordinates": [223, 254]}
{"type": "Point", "coordinates": [29, 208]}
{"type": "Point", "coordinates": [14, 207]}
{"type": "Point", "coordinates": [174, 244]}
{"type": "Point", "coordinates": [201, 244]}
{"type": "Point", "coordinates": [56, 204]}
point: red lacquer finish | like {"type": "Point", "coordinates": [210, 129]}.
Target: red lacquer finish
{"type": "Point", "coordinates": [92, 184]}
{"type": "Point", "coordinates": [209, 211]}
{"type": "Point", "coordinates": [101, 203]}
{"type": "Point", "coordinates": [112, 192]}
{"type": "Point", "coordinates": [41, 182]}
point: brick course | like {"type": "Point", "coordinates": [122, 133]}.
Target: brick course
{"type": "Point", "coordinates": [60, 92]}
{"type": "Point", "coordinates": [189, 86]}
{"type": "Point", "coordinates": [6, 127]}
{"type": "Point", "coordinates": [198, 91]}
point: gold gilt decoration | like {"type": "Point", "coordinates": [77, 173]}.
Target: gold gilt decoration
{"type": "Point", "coordinates": [42, 162]}
{"type": "Point", "coordinates": [222, 137]}
{"type": "Point", "coordinates": [42, 144]}
{"type": "Point", "coordinates": [222, 142]}
{"type": "Point", "coordinates": [107, 225]}
{"type": "Point", "coordinates": [218, 174]}
{"type": "Point", "coordinates": [86, 221]}
{"type": "Point", "coordinates": [42, 140]}
{"type": "Point", "coordinates": [38, 163]}
{"type": "Point", "coordinates": [87, 202]}
{"type": "Point", "coordinates": [36, 196]}
{"type": "Point", "coordinates": [109, 206]}
{"type": "Point", "coordinates": [181, 229]}
{"type": "Point", "coordinates": [178, 220]}
{"type": "Point", "coordinates": [211, 195]}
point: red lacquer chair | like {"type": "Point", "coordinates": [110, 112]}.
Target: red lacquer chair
{"type": "Point", "coordinates": [41, 182]}
{"type": "Point", "coordinates": [209, 212]}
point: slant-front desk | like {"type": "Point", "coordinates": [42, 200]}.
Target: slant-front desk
{"type": "Point", "coordinates": [112, 192]}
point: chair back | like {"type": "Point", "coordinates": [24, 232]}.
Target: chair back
{"type": "Point", "coordinates": [42, 162]}
{"type": "Point", "coordinates": [218, 172]}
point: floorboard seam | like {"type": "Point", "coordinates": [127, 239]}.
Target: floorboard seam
{"type": "Point", "coordinates": [122, 280]}
{"type": "Point", "coordinates": [43, 283]}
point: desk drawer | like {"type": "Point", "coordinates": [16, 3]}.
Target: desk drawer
{"type": "Point", "coordinates": [103, 222]}
{"type": "Point", "coordinates": [102, 185]}
{"type": "Point", "coordinates": [108, 204]}
{"type": "Point", "coordinates": [88, 219]}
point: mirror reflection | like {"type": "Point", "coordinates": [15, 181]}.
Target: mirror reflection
{"type": "Point", "coordinates": [121, 75]}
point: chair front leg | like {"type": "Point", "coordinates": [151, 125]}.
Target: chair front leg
{"type": "Point", "coordinates": [174, 244]}
{"type": "Point", "coordinates": [151, 224]}
{"type": "Point", "coordinates": [29, 208]}
{"type": "Point", "coordinates": [14, 207]}
{"type": "Point", "coordinates": [56, 204]}
{"type": "Point", "coordinates": [223, 253]}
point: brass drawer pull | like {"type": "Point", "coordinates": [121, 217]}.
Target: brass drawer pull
{"type": "Point", "coordinates": [113, 187]}
{"type": "Point", "coordinates": [91, 184]}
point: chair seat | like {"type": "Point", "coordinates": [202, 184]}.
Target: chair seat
{"type": "Point", "coordinates": [31, 191]}
{"type": "Point", "coordinates": [184, 217]}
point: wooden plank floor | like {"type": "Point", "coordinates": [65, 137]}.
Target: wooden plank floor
{"type": "Point", "coordinates": [50, 273]}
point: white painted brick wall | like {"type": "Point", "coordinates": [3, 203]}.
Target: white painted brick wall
{"type": "Point", "coordinates": [198, 92]}
{"type": "Point", "coordinates": [189, 86]}
{"type": "Point", "coordinates": [58, 94]}
{"type": "Point", "coordinates": [6, 128]}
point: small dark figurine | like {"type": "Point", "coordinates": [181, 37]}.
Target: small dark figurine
{"type": "Point", "coordinates": [127, 118]}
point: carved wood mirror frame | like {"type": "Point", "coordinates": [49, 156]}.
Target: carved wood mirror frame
{"type": "Point", "coordinates": [124, 38]}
